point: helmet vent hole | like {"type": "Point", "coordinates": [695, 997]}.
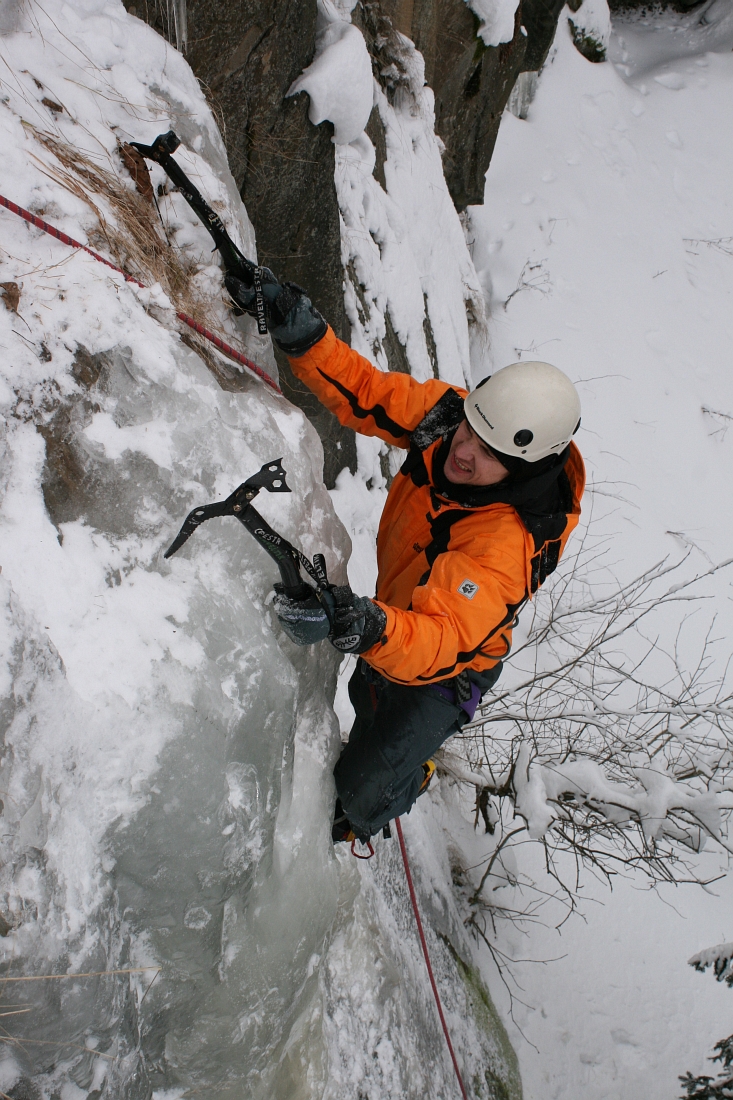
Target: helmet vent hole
{"type": "Point", "coordinates": [523, 438]}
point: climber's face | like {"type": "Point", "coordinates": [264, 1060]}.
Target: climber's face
{"type": "Point", "coordinates": [470, 462]}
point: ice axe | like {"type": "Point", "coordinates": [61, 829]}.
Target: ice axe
{"type": "Point", "coordinates": [239, 504]}
{"type": "Point", "coordinates": [235, 262]}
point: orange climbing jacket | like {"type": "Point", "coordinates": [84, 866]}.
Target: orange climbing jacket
{"type": "Point", "coordinates": [455, 568]}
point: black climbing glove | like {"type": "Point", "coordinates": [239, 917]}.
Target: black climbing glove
{"type": "Point", "coordinates": [303, 618]}
{"type": "Point", "coordinates": [357, 623]}
{"type": "Point", "coordinates": [292, 321]}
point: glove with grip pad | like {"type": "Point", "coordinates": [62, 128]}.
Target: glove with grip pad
{"type": "Point", "coordinates": [292, 321]}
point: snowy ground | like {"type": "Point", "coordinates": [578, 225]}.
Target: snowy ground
{"type": "Point", "coordinates": [604, 246]}
{"type": "Point", "coordinates": [622, 1015]}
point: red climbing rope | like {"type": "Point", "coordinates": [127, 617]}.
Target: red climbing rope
{"type": "Point", "coordinates": [217, 341]}
{"type": "Point", "coordinates": [227, 349]}
{"type": "Point", "coordinates": [423, 941]}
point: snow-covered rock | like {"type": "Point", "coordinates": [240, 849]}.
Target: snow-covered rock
{"type": "Point", "coordinates": [591, 28]}
{"type": "Point", "coordinates": [496, 20]}
{"type": "Point", "coordinates": [339, 79]}
{"type": "Point", "coordinates": [151, 709]}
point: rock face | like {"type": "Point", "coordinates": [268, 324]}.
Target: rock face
{"type": "Point", "coordinates": [247, 57]}
{"type": "Point", "coordinates": [472, 82]}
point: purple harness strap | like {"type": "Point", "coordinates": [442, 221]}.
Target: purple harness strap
{"type": "Point", "coordinates": [469, 705]}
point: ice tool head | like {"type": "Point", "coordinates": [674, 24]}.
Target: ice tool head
{"type": "Point", "coordinates": [270, 477]}
{"type": "Point", "coordinates": [164, 145]}
{"type": "Point", "coordinates": [161, 151]}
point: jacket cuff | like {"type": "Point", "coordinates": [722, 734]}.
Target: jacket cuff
{"type": "Point", "coordinates": [385, 646]}
{"type": "Point", "coordinates": [319, 353]}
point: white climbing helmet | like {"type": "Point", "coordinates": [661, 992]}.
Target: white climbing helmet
{"type": "Point", "coordinates": [527, 410]}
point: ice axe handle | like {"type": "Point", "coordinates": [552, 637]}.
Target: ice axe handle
{"type": "Point", "coordinates": [319, 569]}
{"type": "Point", "coordinates": [284, 555]}
{"type": "Point", "coordinates": [235, 262]}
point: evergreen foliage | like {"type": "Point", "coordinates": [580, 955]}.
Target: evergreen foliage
{"type": "Point", "coordinates": [721, 960]}
{"type": "Point", "coordinates": [703, 1087]}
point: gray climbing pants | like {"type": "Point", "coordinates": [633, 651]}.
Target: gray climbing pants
{"type": "Point", "coordinates": [379, 773]}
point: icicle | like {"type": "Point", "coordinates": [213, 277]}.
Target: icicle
{"type": "Point", "coordinates": [180, 19]}
{"type": "Point", "coordinates": [522, 95]}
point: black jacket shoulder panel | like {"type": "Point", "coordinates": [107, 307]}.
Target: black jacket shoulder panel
{"type": "Point", "coordinates": [445, 414]}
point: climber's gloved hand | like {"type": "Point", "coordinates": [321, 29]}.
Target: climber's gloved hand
{"type": "Point", "coordinates": [242, 292]}
{"type": "Point", "coordinates": [301, 616]}
{"type": "Point", "coordinates": [292, 321]}
{"type": "Point", "coordinates": [357, 623]}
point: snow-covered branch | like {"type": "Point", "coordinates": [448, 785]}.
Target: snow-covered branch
{"type": "Point", "coordinates": [613, 737]}
{"type": "Point", "coordinates": [721, 960]}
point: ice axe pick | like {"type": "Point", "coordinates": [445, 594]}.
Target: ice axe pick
{"type": "Point", "coordinates": [239, 504]}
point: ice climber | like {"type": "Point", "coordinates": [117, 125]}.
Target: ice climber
{"type": "Point", "coordinates": [474, 522]}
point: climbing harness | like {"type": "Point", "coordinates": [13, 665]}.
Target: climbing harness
{"type": "Point", "coordinates": [212, 337]}
{"type": "Point", "coordinates": [423, 941]}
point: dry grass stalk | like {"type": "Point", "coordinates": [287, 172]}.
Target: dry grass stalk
{"type": "Point", "coordinates": [86, 974]}
{"type": "Point", "coordinates": [135, 241]}
{"type": "Point", "coordinates": [19, 1040]}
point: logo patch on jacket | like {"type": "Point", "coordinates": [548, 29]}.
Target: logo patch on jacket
{"type": "Point", "coordinates": [468, 589]}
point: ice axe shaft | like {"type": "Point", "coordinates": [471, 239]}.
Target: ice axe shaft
{"type": "Point", "coordinates": [161, 152]}
{"type": "Point", "coordinates": [280, 550]}
{"type": "Point", "coordinates": [235, 262]}
{"type": "Point", "coordinates": [239, 504]}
